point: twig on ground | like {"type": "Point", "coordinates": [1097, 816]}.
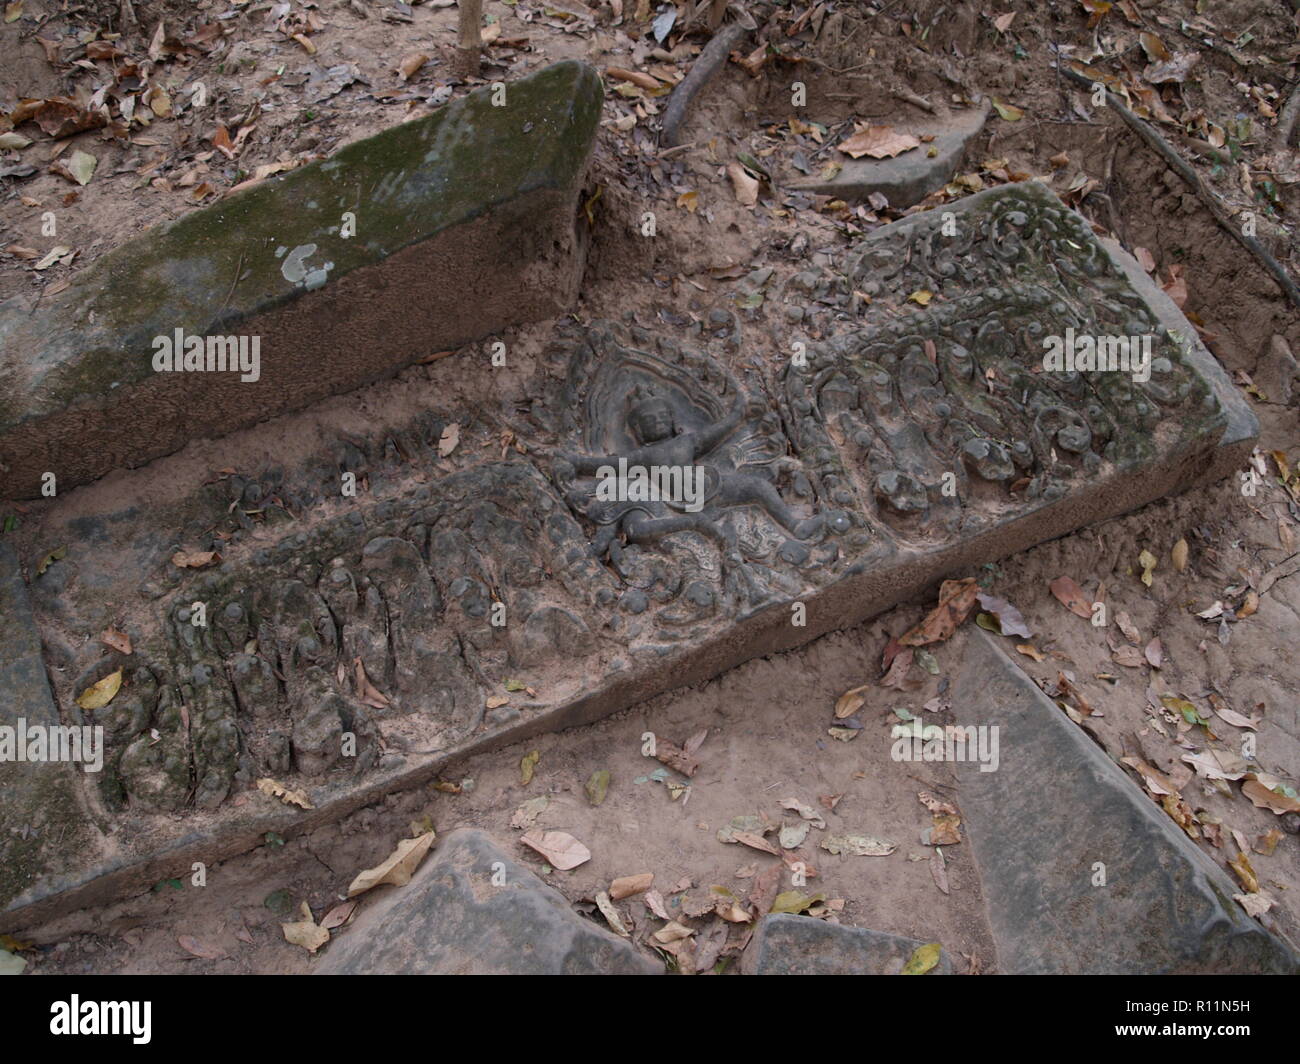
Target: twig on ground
{"type": "Point", "coordinates": [1180, 166]}
{"type": "Point", "coordinates": [710, 60]}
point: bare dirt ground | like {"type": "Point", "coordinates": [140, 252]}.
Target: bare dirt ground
{"type": "Point", "coordinates": [281, 102]}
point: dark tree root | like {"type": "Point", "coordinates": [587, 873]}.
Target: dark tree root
{"type": "Point", "coordinates": [711, 59]}
{"type": "Point", "coordinates": [1180, 166]}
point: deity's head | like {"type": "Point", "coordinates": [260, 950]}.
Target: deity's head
{"type": "Point", "coordinates": [650, 415]}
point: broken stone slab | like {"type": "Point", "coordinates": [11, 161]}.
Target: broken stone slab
{"type": "Point", "coordinates": [472, 909]}
{"type": "Point", "coordinates": [1054, 816]}
{"type": "Point", "coordinates": [909, 177]}
{"type": "Point", "coordinates": [349, 645]}
{"type": "Point", "coordinates": [785, 944]}
{"type": "Point", "coordinates": [422, 238]}
{"type": "Point", "coordinates": [43, 821]}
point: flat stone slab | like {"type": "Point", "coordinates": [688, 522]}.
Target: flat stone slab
{"type": "Point", "coordinates": [350, 644]}
{"type": "Point", "coordinates": [472, 909]}
{"type": "Point", "coordinates": [785, 944]}
{"type": "Point", "coordinates": [1056, 815]}
{"type": "Point", "coordinates": [908, 178]}
{"type": "Point", "coordinates": [442, 230]}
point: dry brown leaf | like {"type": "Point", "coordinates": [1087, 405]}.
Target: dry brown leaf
{"type": "Point", "coordinates": [654, 901]}
{"type": "Point", "coordinates": [560, 849]}
{"type": "Point", "coordinates": [626, 886]}
{"type": "Point", "coordinates": [1264, 798]}
{"type": "Point", "coordinates": [850, 702]}
{"type": "Point", "coordinates": [410, 65]}
{"type": "Point", "coordinates": [878, 142]}
{"type": "Point", "coordinates": [366, 691]}
{"type": "Point", "coordinates": [1156, 781]}
{"type": "Point", "coordinates": [398, 868]}
{"type": "Point", "coordinates": [306, 932]}
{"type": "Point", "coordinates": [634, 77]}
{"type": "Point", "coordinates": [195, 559]}
{"type": "Point", "coordinates": [756, 842]}
{"type": "Point", "coordinates": [116, 640]}
{"type": "Point", "coordinates": [1245, 873]}
{"type": "Point", "coordinates": [1267, 842]}
{"type": "Point", "coordinates": [1179, 555]}
{"type": "Point", "coordinates": [676, 758]}
{"type": "Point", "coordinates": [1071, 596]}
{"type": "Point", "coordinates": [899, 672]}
{"type": "Point", "coordinates": [956, 600]}
{"type": "Point", "coordinates": [746, 187]}
{"type": "Point", "coordinates": [1129, 656]}
{"type": "Point", "coordinates": [278, 790]}
{"type": "Point", "coordinates": [339, 915]}
{"type": "Point", "coordinates": [199, 948]}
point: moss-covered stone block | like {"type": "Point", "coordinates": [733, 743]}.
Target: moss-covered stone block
{"type": "Point", "coordinates": [428, 236]}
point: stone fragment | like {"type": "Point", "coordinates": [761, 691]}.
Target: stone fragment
{"type": "Point", "coordinates": [908, 178]}
{"type": "Point", "coordinates": [472, 909]}
{"type": "Point", "coordinates": [785, 944]}
{"type": "Point", "coordinates": [429, 235]}
{"type": "Point", "coordinates": [1053, 817]}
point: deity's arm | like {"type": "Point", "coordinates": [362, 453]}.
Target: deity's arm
{"type": "Point", "coordinates": [708, 438]}
{"type": "Point", "coordinates": [587, 463]}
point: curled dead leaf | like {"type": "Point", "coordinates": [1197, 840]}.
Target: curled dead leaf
{"type": "Point", "coordinates": [276, 789]}
{"type": "Point", "coordinates": [397, 869]}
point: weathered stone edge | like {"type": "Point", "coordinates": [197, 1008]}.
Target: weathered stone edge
{"type": "Point", "coordinates": [1228, 922]}
{"type": "Point", "coordinates": [752, 958]}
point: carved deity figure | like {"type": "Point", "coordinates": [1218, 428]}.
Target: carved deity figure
{"type": "Point", "coordinates": [664, 444]}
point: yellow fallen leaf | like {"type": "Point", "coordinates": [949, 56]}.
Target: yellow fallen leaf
{"type": "Point", "coordinates": [1241, 865]}
{"type": "Point", "coordinates": [1008, 112]}
{"type": "Point", "coordinates": [923, 958]}
{"type": "Point", "coordinates": [306, 932]}
{"type": "Point", "coordinates": [279, 790]}
{"type": "Point", "coordinates": [195, 559]}
{"type": "Point", "coordinates": [922, 296]}
{"type": "Point", "coordinates": [100, 694]}
{"type": "Point", "coordinates": [527, 765]}
{"type": "Point", "coordinates": [1179, 554]}
{"type": "Point", "coordinates": [397, 869]}
{"type": "Point", "coordinates": [1148, 562]}
{"type": "Point", "coordinates": [850, 702]}
{"type": "Point", "coordinates": [1030, 651]}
